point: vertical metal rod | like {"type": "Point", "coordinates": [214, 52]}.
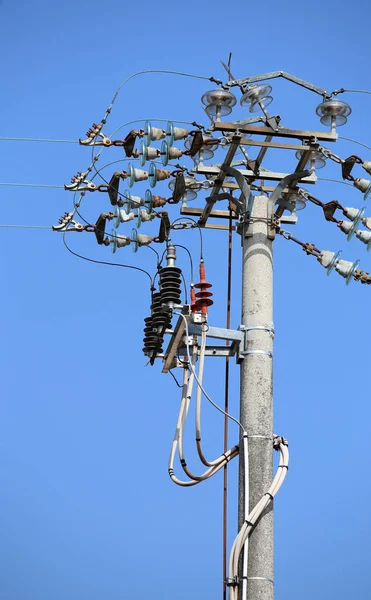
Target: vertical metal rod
{"type": "Point", "coordinates": [256, 397]}
{"type": "Point", "coordinates": [226, 406]}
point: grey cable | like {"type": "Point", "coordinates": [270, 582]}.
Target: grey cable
{"type": "Point", "coordinates": [197, 380]}
{"type": "Point", "coordinates": [354, 142]}
{"type": "Point", "coordinates": [356, 91]}
{"type": "Point", "coordinates": [28, 226]}
{"type": "Point", "coordinates": [166, 72]}
{"type": "Point", "coordinates": [21, 139]}
{"type": "Point", "coordinates": [39, 185]}
{"type": "Point", "coordinates": [334, 181]}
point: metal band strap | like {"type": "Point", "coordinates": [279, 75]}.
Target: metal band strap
{"type": "Point", "coordinates": [256, 328]}
{"type": "Point", "coordinates": [264, 352]}
{"type": "Point", "coordinates": [260, 578]}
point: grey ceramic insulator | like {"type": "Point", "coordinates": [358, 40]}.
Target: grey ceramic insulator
{"type": "Point", "coordinates": [367, 222]}
{"type": "Point", "coordinates": [363, 236]}
{"type": "Point", "coordinates": [325, 258]}
{"type": "Point", "coordinates": [345, 226]}
{"type": "Point", "coordinates": [367, 166]}
{"type": "Point", "coordinates": [122, 240]}
{"type": "Point", "coordinates": [344, 267]}
{"type": "Point", "coordinates": [362, 184]}
{"type": "Point", "coordinates": [351, 213]}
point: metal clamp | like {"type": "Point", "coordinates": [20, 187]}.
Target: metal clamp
{"type": "Point", "coordinates": [263, 352]}
{"type": "Point", "coordinates": [256, 328]}
{"type": "Point", "coordinates": [260, 578]}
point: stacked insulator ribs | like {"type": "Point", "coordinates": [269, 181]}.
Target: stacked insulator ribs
{"type": "Point", "coordinates": [170, 289]}
{"type": "Point", "coordinates": [155, 326]}
{"type": "Point", "coordinates": [162, 304]}
{"type": "Point", "coordinates": [201, 300]}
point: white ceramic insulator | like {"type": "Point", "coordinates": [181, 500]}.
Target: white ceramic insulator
{"type": "Point", "coordinates": [345, 226]}
{"type": "Point", "coordinates": [325, 258]}
{"type": "Point", "coordinates": [180, 133]}
{"type": "Point", "coordinates": [125, 217]}
{"type": "Point", "coordinates": [144, 240]}
{"type": "Point", "coordinates": [367, 166]}
{"type": "Point", "coordinates": [344, 267]}
{"type": "Point", "coordinates": [351, 213]}
{"type": "Point", "coordinates": [122, 240]}
{"type": "Point", "coordinates": [363, 236]}
{"type": "Point", "coordinates": [145, 216]}
{"type": "Point", "coordinates": [362, 184]}
{"type": "Point", "coordinates": [140, 175]}
{"type": "Point", "coordinates": [367, 222]}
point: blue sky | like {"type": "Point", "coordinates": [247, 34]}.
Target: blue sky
{"type": "Point", "coordinates": [86, 505]}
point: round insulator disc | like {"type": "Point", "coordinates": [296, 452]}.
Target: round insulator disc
{"type": "Point", "coordinates": [171, 281]}
{"type": "Point", "coordinates": [148, 330]}
{"type": "Point", "coordinates": [204, 295]}
{"type": "Point", "coordinates": [170, 270]}
{"type": "Point", "coordinates": [175, 283]}
{"type": "Point", "coordinates": [150, 343]}
{"type": "Point", "coordinates": [200, 303]}
{"type": "Point", "coordinates": [203, 285]}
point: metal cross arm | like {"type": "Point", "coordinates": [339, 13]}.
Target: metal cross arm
{"type": "Point", "coordinates": [300, 134]}
{"type": "Point", "coordinates": [275, 75]}
{"type": "Point", "coordinates": [289, 181]}
{"type": "Point", "coordinates": [219, 181]}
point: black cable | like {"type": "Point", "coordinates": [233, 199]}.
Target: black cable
{"type": "Point", "coordinates": [199, 229]}
{"type": "Point", "coordinates": [103, 262]}
{"type": "Point", "coordinates": [190, 258]}
{"type": "Point", "coordinates": [110, 234]}
{"type": "Point", "coordinates": [185, 287]}
{"type": "Point", "coordinates": [175, 379]}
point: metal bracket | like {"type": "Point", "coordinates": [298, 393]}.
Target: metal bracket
{"type": "Point", "coordinates": [237, 337]}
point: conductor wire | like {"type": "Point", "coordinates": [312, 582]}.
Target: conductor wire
{"type": "Point", "coordinates": [226, 407]}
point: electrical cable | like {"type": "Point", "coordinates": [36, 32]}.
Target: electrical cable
{"type": "Point", "coordinates": [21, 139]}
{"type": "Point", "coordinates": [190, 258]}
{"type": "Point", "coordinates": [28, 226]}
{"type": "Point", "coordinates": [147, 71]}
{"type": "Point", "coordinates": [226, 408]}
{"type": "Point", "coordinates": [183, 410]}
{"type": "Point", "coordinates": [96, 157]}
{"type": "Point", "coordinates": [185, 287]}
{"type": "Point", "coordinates": [281, 445]}
{"type": "Point", "coordinates": [354, 142]}
{"type": "Point", "coordinates": [35, 185]}
{"type": "Point", "coordinates": [199, 229]}
{"type": "Point", "coordinates": [354, 91]}
{"type": "Point", "coordinates": [334, 181]}
{"type": "Point", "coordinates": [103, 262]}
{"type": "Point", "coordinates": [197, 380]}
{"type": "Point", "coordinates": [175, 379]}
{"type": "Point", "coordinates": [178, 436]}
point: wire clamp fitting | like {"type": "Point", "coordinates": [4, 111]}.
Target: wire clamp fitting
{"type": "Point", "coordinates": [278, 440]}
{"type": "Point", "coordinates": [232, 581]}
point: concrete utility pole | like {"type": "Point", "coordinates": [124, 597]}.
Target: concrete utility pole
{"type": "Point", "coordinates": [258, 219]}
{"type": "Point", "coordinates": [256, 398]}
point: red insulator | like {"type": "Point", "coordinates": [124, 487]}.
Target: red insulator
{"type": "Point", "coordinates": [203, 296]}
{"type": "Point", "coordinates": [193, 298]}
